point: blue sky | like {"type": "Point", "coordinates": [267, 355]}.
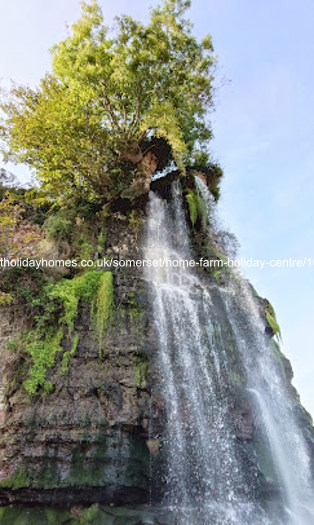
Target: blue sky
{"type": "Point", "coordinates": [263, 126]}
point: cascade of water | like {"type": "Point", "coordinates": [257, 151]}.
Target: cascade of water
{"type": "Point", "coordinates": [274, 406]}
{"type": "Point", "coordinates": [207, 480]}
{"type": "Point", "coordinates": [205, 483]}
{"type": "Point", "coordinates": [273, 403]}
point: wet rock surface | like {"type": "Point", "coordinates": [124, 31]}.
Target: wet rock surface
{"type": "Point", "coordinates": [97, 438]}
{"type": "Point", "coordinates": [86, 441]}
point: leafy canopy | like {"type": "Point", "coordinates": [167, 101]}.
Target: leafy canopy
{"type": "Point", "coordinates": [111, 91]}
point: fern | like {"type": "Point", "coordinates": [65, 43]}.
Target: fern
{"type": "Point", "coordinates": [192, 201]}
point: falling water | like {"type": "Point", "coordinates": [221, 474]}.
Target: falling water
{"type": "Point", "coordinates": [209, 336]}
{"type": "Point", "coordinates": [274, 408]}
{"type": "Point", "coordinates": [271, 398]}
{"type": "Point", "coordinates": [205, 481]}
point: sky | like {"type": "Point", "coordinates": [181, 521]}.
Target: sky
{"type": "Point", "coordinates": [263, 126]}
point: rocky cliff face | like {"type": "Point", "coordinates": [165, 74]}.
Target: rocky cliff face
{"type": "Point", "coordinates": [87, 441]}
{"type": "Point", "coordinates": [96, 438]}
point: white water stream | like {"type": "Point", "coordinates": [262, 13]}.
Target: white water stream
{"type": "Point", "coordinates": [207, 481]}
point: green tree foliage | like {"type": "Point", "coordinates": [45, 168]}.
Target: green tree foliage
{"type": "Point", "coordinates": [83, 129]}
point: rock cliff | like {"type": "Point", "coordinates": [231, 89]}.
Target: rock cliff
{"type": "Point", "coordinates": [95, 439]}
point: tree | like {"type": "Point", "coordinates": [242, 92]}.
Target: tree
{"type": "Point", "coordinates": [88, 127]}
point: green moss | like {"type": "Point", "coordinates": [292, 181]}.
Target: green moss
{"type": "Point", "coordinates": [202, 210]}
{"type": "Point", "coordinates": [101, 240]}
{"type": "Point", "coordinates": [56, 321]}
{"type": "Point", "coordinates": [89, 515]}
{"type": "Point", "coordinates": [67, 356]}
{"type": "Point", "coordinates": [16, 515]}
{"type": "Point", "coordinates": [20, 478]}
{"type": "Point", "coordinates": [192, 201]}
{"type": "Point", "coordinates": [47, 476]}
{"type": "Point", "coordinates": [20, 515]}
{"type": "Point", "coordinates": [56, 516]}
{"type": "Point", "coordinates": [102, 306]}
{"type": "Point", "coordinates": [71, 291]}
{"type": "Point", "coordinates": [43, 353]}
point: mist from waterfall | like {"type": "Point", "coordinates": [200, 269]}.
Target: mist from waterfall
{"type": "Point", "coordinates": [208, 479]}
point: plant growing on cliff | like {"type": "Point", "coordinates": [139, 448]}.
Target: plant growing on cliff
{"type": "Point", "coordinates": [54, 313]}
{"type": "Point", "coordinates": [197, 207]}
{"type": "Point", "coordinates": [271, 319]}
{"type": "Point", "coordinates": [102, 307]}
{"type": "Point", "coordinates": [85, 129]}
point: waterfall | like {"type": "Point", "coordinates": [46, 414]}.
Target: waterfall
{"type": "Point", "coordinates": [275, 411]}
{"type": "Point", "coordinates": [209, 337]}
{"type": "Point", "coordinates": [266, 381]}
